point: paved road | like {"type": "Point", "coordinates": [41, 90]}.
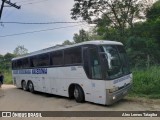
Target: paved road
{"type": "Point", "coordinates": [13, 99]}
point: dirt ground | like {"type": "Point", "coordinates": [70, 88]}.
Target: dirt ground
{"type": "Point", "coordinates": [13, 99]}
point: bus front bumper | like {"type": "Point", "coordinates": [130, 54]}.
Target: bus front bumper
{"type": "Point", "coordinates": [117, 95]}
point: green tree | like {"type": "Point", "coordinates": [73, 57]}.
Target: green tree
{"type": "Point", "coordinates": [144, 41]}
{"type": "Point", "coordinates": [92, 33]}
{"type": "Point", "coordinates": [8, 56]}
{"type": "Point", "coordinates": [154, 12]}
{"type": "Point", "coordinates": [67, 42]}
{"type": "Point", "coordinates": [20, 50]}
{"type": "Point", "coordinates": [5, 62]}
{"type": "Point", "coordinates": [153, 20]}
{"type": "Point", "coordinates": [1, 57]}
{"type": "Point", "coordinates": [117, 14]}
{"type": "Point", "coordinates": [151, 27]}
{"type": "Point", "coordinates": [1, 61]}
{"type": "Point", "coordinates": [143, 52]}
{"type": "Point", "coordinates": [104, 30]}
{"type": "Point", "coordinates": [155, 30]}
{"type": "Point", "coordinates": [81, 37]}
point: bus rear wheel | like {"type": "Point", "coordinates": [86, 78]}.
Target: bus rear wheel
{"type": "Point", "coordinates": [78, 94]}
{"type": "Point", "coordinates": [24, 85]}
{"type": "Point", "coordinates": [30, 86]}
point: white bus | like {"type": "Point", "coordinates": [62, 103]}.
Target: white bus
{"type": "Point", "coordinates": [94, 71]}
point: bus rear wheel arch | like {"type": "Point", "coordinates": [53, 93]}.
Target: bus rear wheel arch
{"type": "Point", "coordinates": [76, 91]}
{"type": "Point", "coordinates": [30, 86]}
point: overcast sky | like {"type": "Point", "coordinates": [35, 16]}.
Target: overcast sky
{"type": "Point", "coordinates": [38, 11]}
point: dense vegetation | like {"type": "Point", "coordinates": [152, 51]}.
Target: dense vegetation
{"type": "Point", "coordinates": [5, 62]}
{"type": "Point", "coordinates": [141, 39]}
{"type": "Point", "coordinates": [146, 82]}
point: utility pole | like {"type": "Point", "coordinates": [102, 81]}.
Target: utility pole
{"type": "Point", "coordinates": [9, 3]}
{"type": "Point", "coordinates": [1, 8]}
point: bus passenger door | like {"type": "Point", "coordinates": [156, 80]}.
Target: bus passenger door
{"type": "Point", "coordinates": [86, 66]}
{"type": "Point", "coordinates": [95, 75]}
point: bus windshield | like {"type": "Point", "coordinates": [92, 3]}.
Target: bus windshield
{"type": "Point", "coordinates": [117, 61]}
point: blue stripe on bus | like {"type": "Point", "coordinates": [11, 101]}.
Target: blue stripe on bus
{"type": "Point", "coordinates": [31, 71]}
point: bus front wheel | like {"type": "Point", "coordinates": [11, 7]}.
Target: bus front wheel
{"type": "Point", "coordinates": [24, 85]}
{"type": "Point", "coordinates": [30, 86]}
{"type": "Point", "coordinates": [78, 94]}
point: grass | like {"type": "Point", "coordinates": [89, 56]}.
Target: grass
{"type": "Point", "coordinates": [146, 83]}
{"type": "Point", "coordinates": [7, 77]}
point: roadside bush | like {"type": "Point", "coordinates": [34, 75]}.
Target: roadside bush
{"type": "Point", "coordinates": [7, 77]}
{"type": "Point", "coordinates": [146, 82]}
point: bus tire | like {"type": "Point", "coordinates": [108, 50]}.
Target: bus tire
{"type": "Point", "coordinates": [30, 87]}
{"type": "Point", "coordinates": [78, 94]}
{"type": "Point", "coordinates": [24, 85]}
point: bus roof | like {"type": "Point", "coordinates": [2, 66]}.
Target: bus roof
{"type": "Point", "coordinates": [61, 47]}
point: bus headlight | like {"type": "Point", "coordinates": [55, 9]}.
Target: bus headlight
{"type": "Point", "coordinates": [114, 97]}
{"type": "Point", "coordinates": [113, 89]}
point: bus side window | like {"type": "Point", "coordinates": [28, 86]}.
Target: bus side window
{"type": "Point", "coordinates": [25, 63]}
{"type": "Point", "coordinates": [56, 58]}
{"type": "Point", "coordinates": [19, 64]}
{"type": "Point", "coordinates": [86, 61]}
{"type": "Point", "coordinates": [14, 64]}
{"type": "Point", "coordinates": [73, 56]}
{"type": "Point", "coordinates": [43, 60]}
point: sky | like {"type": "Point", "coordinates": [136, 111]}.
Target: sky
{"type": "Point", "coordinates": [39, 11]}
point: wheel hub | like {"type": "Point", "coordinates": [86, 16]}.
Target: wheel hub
{"type": "Point", "coordinates": [76, 94]}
